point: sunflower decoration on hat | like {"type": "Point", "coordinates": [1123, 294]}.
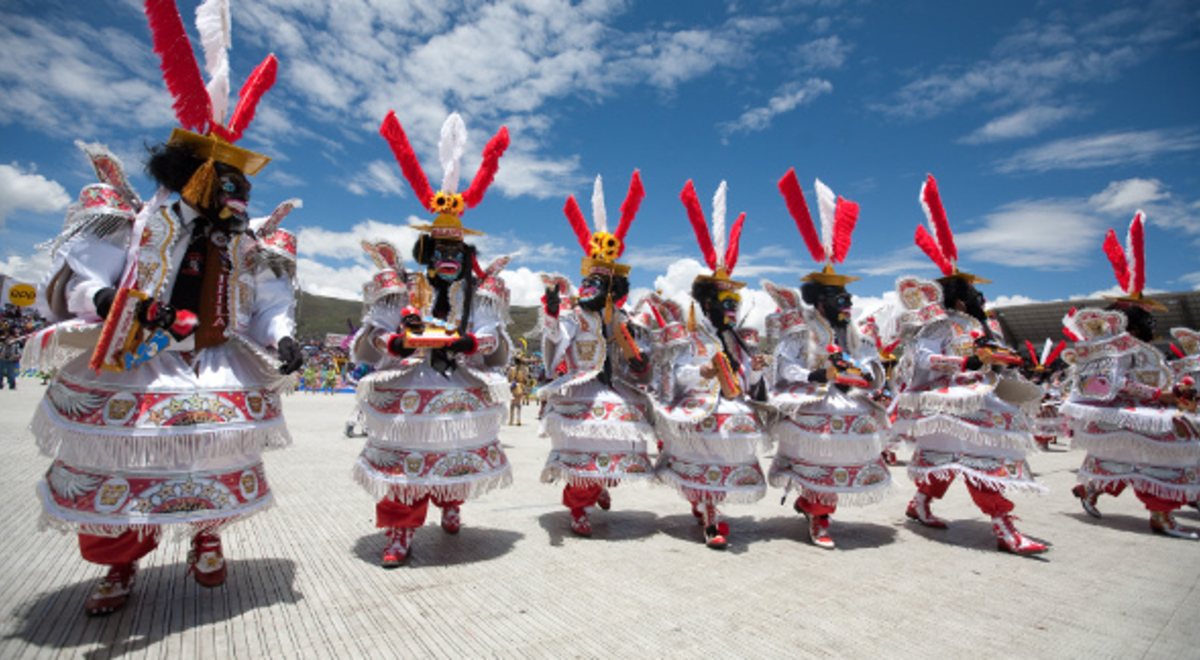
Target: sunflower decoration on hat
{"type": "Point", "coordinates": [1129, 265]}
{"type": "Point", "coordinates": [838, 219]}
{"type": "Point", "coordinates": [208, 126]}
{"type": "Point", "coordinates": [941, 249]}
{"type": "Point", "coordinates": [447, 204]}
{"type": "Point", "coordinates": [602, 249]}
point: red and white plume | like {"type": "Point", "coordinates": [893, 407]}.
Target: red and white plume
{"type": "Point", "coordinates": [629, 209]}
{"type": "Point", "coordinates": [200, 108]}
{"type": "Point", "coordinates": [718, 255]}
{"type": "Point", "coordinates": [838, 219]}
{"type": "Point", "coordinates": [941, 249]}
{"type": "Point", "coordinates": [1129, 263]}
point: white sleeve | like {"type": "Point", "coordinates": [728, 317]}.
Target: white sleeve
{"type": "Point", "coordinates": [274, 309]}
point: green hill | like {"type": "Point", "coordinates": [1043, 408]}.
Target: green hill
{"type": "Point", "coordinates": [319, 315]}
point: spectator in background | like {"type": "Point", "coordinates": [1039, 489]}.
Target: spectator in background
{"type": "Point", "coordinates": [10, 357]}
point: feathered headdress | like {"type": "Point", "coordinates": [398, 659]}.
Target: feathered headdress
{"type": "Point", "coordinates": [1129, 264]}
{"type": "Point", "coordinates": [838, 218]}
{"type": "Point", "coordinates": [1050, 353]}
{"type": "Point", "coordinates": [941, 250]}
{"type": "Point", "coordinates": [719, 258]}
{"type": "Point", "coordinates": [208, 128]}
{"type": "Point", "coordinates": [601, 248]}
{"type": "Point", "coordinates": [448, 203]}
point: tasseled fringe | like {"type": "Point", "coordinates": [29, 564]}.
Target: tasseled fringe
{"type": "Point", "coordinates": [172, 531]}
{"type": "Point", "coordinates": [564, 385]}
{"type": "Point", "coordinates": [554, 426]}
{"type": "Point", "coordinates": [424, 430]}
{"type": "Point", "coordinates": [198, 191]}
{"type": "Point", "coordinates": [1143, 484]}
{"type": "Point", "coordinates": [59, 350]}
{"type": "Point", "coordinates": [691, 493]}
{"type": "Point", "coordinates": [838, 447]}
{"type": "Point", "coordinates": [400, 489]}
{"type": "Point", "coordinates": [1128, 443]}
{"type": "Point", "coordinates": [795, 404]}
{"type": "Point", "coordinates": [120, 449]}
{"type": "Point", "coordinates": [875, 494]}
{"type": "Point", "coordinates": [1125, 418]}
{"type": "Point", "coordinates": [968, 433]}
{"type": "Point", "coordinates": [555, 474]}
{"type": "Point", "coordinates": [943, 472]}
{"type": "Point", "coordinates": [720, 448]}
{"type": "Point", "coordinates": [943, 403]}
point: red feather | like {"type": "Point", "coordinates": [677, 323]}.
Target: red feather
{"type": "Point", "coordinates": [409, 165]}
{"type": "Point", "coordinates": [789, 186]}
{"type": "Point", "coordinates": [575, 217]}
{"type": "Point", "coordinates": [699, 224]}
{"type": "Point", "coordinates": [1032, 353]}
{"type": "Point", "coordinates": [193, 107]}
{"type": "Point", "coordinates": [1137, 244]}
{"type": "Point", "coordinates": [925, 241]}
{"type": "Point", "coordinates": [932, 202]}
{"type": "Point", "coordinates": [1116, 256]}
{"type": "Point", "coordinates": [1071, 335]}
{"type": "Point", "coordinates": [735, 238]}
{"type": "Point", "coordinates": [845, 216]}
{"type": "Point", "coordinates": [891, 348]}
{"type": "Point", "coordinates": [1058, 349]}
{"type": "Point", "coordinates": [253, 89]}
{"type": "Point", "coordinates": [487, 169]}
{"type": "Point", "coordinates": [629, 208]}
{"type": "Point", "coordinates": [1177, 351]}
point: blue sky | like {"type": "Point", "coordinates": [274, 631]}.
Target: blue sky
{"type": "Point", "coordinates": [1045, 123]}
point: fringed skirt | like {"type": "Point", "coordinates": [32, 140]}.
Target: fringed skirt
{"type": "Point", "coordinates": [716, 459]}
{"type": "Point", "coordinates": [597, 435]}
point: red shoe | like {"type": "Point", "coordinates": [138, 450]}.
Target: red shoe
{"type": "Point", "coordinates": [1162, 522]}
{"type": "Point", "coordinates": [918, 510]}
{"type": "Point", "coordinates": [1010, 540]}
{"type": "Point", "coordinates": [207, 561]}
{"type": "Point", "coordinates": [1087, 497]}
{"type": "Point", "coordinates": [715, 536]}
{"type": "Point", "coordinates": [604, 501]}
{"type": "Point", "coordinates": [818, 531]}
{"type": "Point", "coordinates": [451, 519]}
{"type": "Point", "coordinates": [889, 456]}
{"type": "Point", "coordinates": [112, 591]}
{"type": "Point", "coordinates": [580, 523]}
{"type": "Point", "coordinates": [396, 552]}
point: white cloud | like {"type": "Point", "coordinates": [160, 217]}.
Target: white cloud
{"type": "Point", "coordinates": [26, 268]}
{"type": "Point", "coordinates": [827, 53]}
{"type": "Point", "coordinates": [1025, 122]}
{"type": "Point", "coordinates": [380, 177]}
{"type": "Point", "coordinates": [1040, 234]}
{"type": "Point", "coordinates": [787, 98]}
{"type": "Point", "coordinates": [1192, 280]}
{"type": "Point", "coordinates": [26, 191]}
{"type": "Point", "coordinates": [1011, 301]}
{"type": "Point", "coordinates": [1129, 195]}
{"type": "Point", "coordinates": [1101, 150]}
{"type": "Point", "coordinates": [524, 286]}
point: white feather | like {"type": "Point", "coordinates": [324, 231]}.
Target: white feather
{"type": "Point", "coordinates": [1046, 351]}
{"type": "Point", "coordinates": [451, 149]}
{"type": "Point", "coordinates": [1129, 253]}
{"type": "Point", "coordinates": [213, 24]}
{"type": "Point", "coordinates": [599, 215]}
{"type": "Point", "coordinates": [827, 205]}
{"type": "Point", "coordinates": [718, 230]}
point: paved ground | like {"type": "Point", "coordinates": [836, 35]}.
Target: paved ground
{"type": "Point", "coordinates": [304, 580]}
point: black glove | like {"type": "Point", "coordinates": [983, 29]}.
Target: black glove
{"type": "Point", "coordinates": [552, 301]}
{"type": "Point", "coordinates": [290, 355]}
{"type": "Point", "coordinates": [154, 314]}
{"type": "Point", "coordinates": [973, 363]}
{"type": "Point", "coordinates": [103, 301]}
{"type": "Point", "coordinates": [637, 365]}
{"type": "Point", "coordinates": [396, 347]}
{"type": "Point", "coordinates": [817, 376]}
{"type": "Point", "coordinates": [465, 344]}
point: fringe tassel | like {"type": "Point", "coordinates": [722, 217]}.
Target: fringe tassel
{"type": "Point", "coordinates": [976, 478]}
{"type": "Point", "coordinates": [1144, 484]}
{"type": "Point", "coordinates": [838, 447]}
{"type": "Point", "coordinates": [425, 430]}
{"type": "Point", "coordinates": [199, 189]}
{"type": "Point", "coordinates": [554, 426]}
{"type": "Point", "coordinates": [1127, 418]}
{"type": "Point", "coordinates": [962, 430]}
{"type": "Point", "coordinates": [554, 474]}
{"type": "Point", "coordinates": [692, 493]}
{"type": "Point", "coordinates": [120, 449]}
{"type": "Point", "coordinates": [873, 495]}
{"type": "Point", "coordinates": [1130, 443]}
{"type": "Point", "coordinates": [402, 490]}
{"type": "Point", "coordinates": [943, 403]}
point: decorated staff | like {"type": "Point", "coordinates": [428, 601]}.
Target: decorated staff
{"type": "Point", "coordinates": [959, 400]}
{"type": "Point", "coordinates": [165, 396]}
{"type": "Point", "coordinates": [596, 417]}
{"type": "Point", "coordinates": [1125, 403]}
{"type": "Point", "coordinates": [830, 435]}
{"type": "Point", "coordinates": [433, 407]}
{"type": "Point", "coordinates": [705, 371]}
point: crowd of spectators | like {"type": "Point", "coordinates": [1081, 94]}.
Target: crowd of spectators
{"type": "Point", "coordinates": [16, 323]}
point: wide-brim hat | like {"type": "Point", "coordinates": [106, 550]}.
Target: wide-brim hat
{"type": "Point", "coordinates": [593, 266]}
{"type": "Point", "coordinates": [1136, 298]}
{"type": "Point", "coordinates": [211, 147]}
{"type": "Point", "coordinates": [447, 226]}
{"type": "Point", "coordinates": [969, 278]}
{"type": "Point", "coordinates": [827, 277]}
{"type": "Point", "coordinates": [721, 280]}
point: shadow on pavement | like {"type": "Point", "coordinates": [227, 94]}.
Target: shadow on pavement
{"type": "Point", "coordinates": [165, 602]}
{"type": "Point", "coordinates": [612, 525]}
{"type": "Point", "coordinates": [847, 533]}
{"type": "Point", "coordinates": [433, 547]}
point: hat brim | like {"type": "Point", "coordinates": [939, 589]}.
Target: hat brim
{"type": "Point", "coordinates": [723, 283]}
{"type": "Point", "coordinates": [829, 279]}
{"type": "Point", "coordinates": [1148, 304]}
{"type": "Point", "coordinates": [589, 266]}
{"type": "Point", "coordinates": [970, 278]}
{"type": "Point", "coordinates": [211, 147]}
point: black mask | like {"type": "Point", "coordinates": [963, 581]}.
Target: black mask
{"type": "Point", "coordinates": [446, 261]}
{"type": "Point", "coordinates": [835, 304]}
{"type": "Point", "coordinates": [593, 292]}
{"type": "Point", "coordinates": [232, 194]}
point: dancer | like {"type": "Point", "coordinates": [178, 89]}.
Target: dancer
{"type": "Point", "coordinates": [706, 372]}
{"type": "Point", "coordinates": [1048, 424]}
{"type": "Point", "coordinates": [829, 436]}
{"type": "Point", "coordinates": [959, 401]}
{"type": "Point", "coordinates": [595, 417]}
{"type": "Point", "coordinates": [1125, 405]}
{"type": "Point", "coordinates": [165, 396]}
{"type": "Point", "coordinates": [434, 404]}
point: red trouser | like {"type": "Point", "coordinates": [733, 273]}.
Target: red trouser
{"type": "Point", "coordinates": [815, 508]}
{"type": "Point", "coordinates": [393, 513]}
{"type": "Point", "coordinates": [1151, 502]}
{"type": "Point", "coordinates": [112, 550]}
{"type": "Point", "coordinates": [989, 500]}
{"type": "Point", "coordinates": [582, 496]}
